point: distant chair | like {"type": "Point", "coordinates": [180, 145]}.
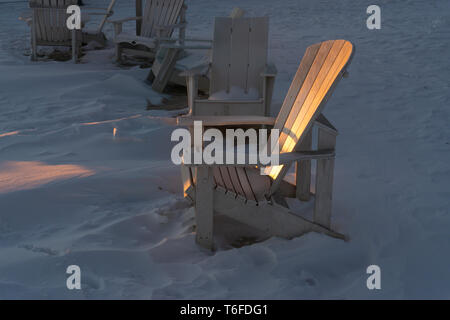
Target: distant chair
{"type": "Point", "coordinates": [165, 69]}
{"type": "Point", "coordinates": [241, 193]}
{"type": "Point", "coordinates": [48, 26]}
{"type": "Point", "coordinates": [157, 23]}
{"type": "Point", "coordinates": [241, 80]}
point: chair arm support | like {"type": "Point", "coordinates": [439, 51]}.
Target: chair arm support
{"type": "Point", "coordinates": [225, 120]}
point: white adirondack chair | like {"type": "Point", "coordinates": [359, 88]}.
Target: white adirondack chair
{"type": "Point", "coordinates": [165, 69]}
{"type": "Point", "coordinates": [48, 26]}
{"type": "Point", "coordinates": [241, 81]}
{"type": "Point", "coordinates": [157, 23]}
{"type": "Point", "coordinates": [241, 193]}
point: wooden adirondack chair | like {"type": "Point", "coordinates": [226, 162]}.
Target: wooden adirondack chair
{"type": "Point", "coordinates": [241, 193]}
{"type": "Point", "coordinates": [157, 23]}
{"type": "Point", "coordinates": [241, 81]}
{"type": "Point", "coordinates": [48, 26]}
{"type": "Point", "coordinates": [87, 35]}
{"type": "Point", "coordinates": [164, 68]}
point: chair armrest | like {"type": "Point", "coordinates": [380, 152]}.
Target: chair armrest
{"type": "Point", "coordinates": [270, 71]}
{"type": "Point", "coordinates": [289, 157]}
{"type": "Point", "coordinates": [200, 70]}
{"type": "Point", "coordinates": [120, 21]}
{"type": "Point", "coordinates": [177, 25]}
{"type": "Point", "coordinates": [225, 120]}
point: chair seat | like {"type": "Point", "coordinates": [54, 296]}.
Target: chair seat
{"type": "Point", "coordinates": [246, 182]}
{"type": "Point", "coordinates": [135, 40]}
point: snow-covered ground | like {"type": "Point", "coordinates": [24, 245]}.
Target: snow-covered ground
{"type": "Point", "coordinates": [71, 192]}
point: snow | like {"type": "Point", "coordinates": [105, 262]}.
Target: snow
{"type": "Point", "coordinates": [86, 177]}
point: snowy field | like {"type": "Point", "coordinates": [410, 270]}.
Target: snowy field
{"type": "Point", "coordinates": [73, 193]}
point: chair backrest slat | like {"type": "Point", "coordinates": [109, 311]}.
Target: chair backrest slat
{"type": "Point", "coordinates": [239, 54]}
{"type": "Point", "coordinates": [160, 13]}
{"type": "Point", "coordinates": [321, 67]}
{"type": "Point", "coordinates": [51, 25]}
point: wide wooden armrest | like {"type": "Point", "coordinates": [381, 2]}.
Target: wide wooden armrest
{"type": "Point", "coordinates": [288, 157]}
{"type": "Point", "coordinates": [200, 70]}
{"type": "Point", "coordinates": [270, 71]}
{"type": "Point", "coordinates": [169, 26]}
{"type": "Point", "coordinates": [185, 40]}
{"type": "Point", "coordinates": [183, 46]}
{"type": "Point", "coordinates": [119, 21]}
{"type": "Point", "coordinates": [99, 13]}
{"type": "Point", "coordinates": [225, 120]}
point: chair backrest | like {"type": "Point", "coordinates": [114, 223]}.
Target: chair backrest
{"type": "Point", "coordinates": [239, 54]}
{"type": "Point", "coordinates": [321, 68]}
{"type": "Point", "coordinates": [51, 3]}
{"type": "Point", "coordinates": [50, 24]}
{"type": "Point", "coordinates": [160, 13]}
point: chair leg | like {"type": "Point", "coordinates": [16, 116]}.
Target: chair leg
{"type": "Point", "coordinates": [118, 53]}
{"type": "Point", "coordinates": [204, 207]}
{"type": "Point", "coordinates": [74, 46]}
{"type": "Point", "coordinates": [192, 92]}
{"type": "Point", "coordinates": [324, 181]}
{"type": "Point", "coordinates": [33, 40]}
{"type": "Point", "coordinates": [303, 170]}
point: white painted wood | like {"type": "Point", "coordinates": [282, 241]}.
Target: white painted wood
{"type": "Point", "coordinates": [236, 195]}
{"type": "Point", "coordinates": [192, 90]}
{"type": "Point", "coordinates": [159, 19]}
{"type": "Point", "coordinates": [225, 120]}
{"type": "Point", "coordinates": [303, 170]}
{"type": "Point", "coordinates": [220, 66]}
{"type": "Point", "coordinates": [324, 181]}
{"type": "Point", "coordinates": [272, 219]}
{"type": "Point", "coordinates": [166, 69]}
{"type": "Point", "coordinates": [48, 27]}
{"type": "Point", "coordinates": [204, 211]}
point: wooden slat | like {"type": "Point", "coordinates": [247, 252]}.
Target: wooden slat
{"type": "Point", "coordinates": [165, 17]}
{"type": "Point", "coordinates": [305, 90]}
{"type": "Point", "coordinates": [236, 181]}
{"type": "Point", "coordinates": [296, 85]}
{"type": "Point", "coordinates": [258, 48]}
{"type": "Point", "coordinates": [227, 179]}
{"type": "Point", "coordinates": [247, 188]}
{"type": "Point", "coordinates": [312, 98]}
{"type": "Point", "coordinates": [156, 14]}
{"type": "Point", "coordinates": [323, 82]}
{"type": "Point", "coordinates": [147, 18]}
{"type": "Point", "coordinates": [239, 53]}
{"type": "Point", "coordinates": [174, 16]}
{"type": "Point", "coordinates": [220, 68]}
{"type": "Point", "coordinates": [218, 177]}
{"type": "Point", "coordinates": [159, 18]}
